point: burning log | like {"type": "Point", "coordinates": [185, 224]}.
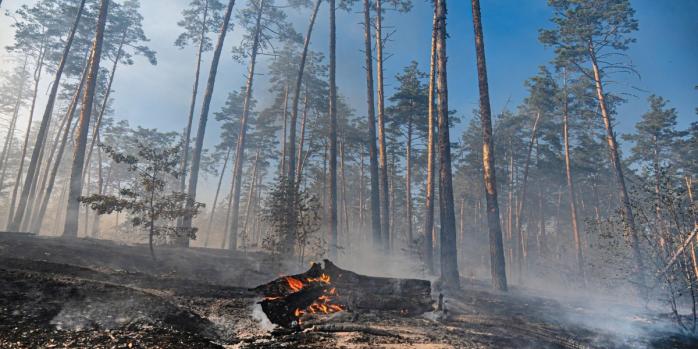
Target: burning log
{"type": "Point", "coordinates": [290, 299]}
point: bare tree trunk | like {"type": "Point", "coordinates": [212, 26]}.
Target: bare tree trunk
{"type": "Point", "coordinates": [497, 263]}
{"type": "Point", "coordinates": [345, 206]}
{"type": "Point", "coordinates": [333, 131]}
{"type": "Point", "coordinates": [449, 252]}
{"type": "Point", "coordinates": [428, 248]}
{"type": "Point", "coordinates": [521, 251]}
{"type": "Point", "coordinates": [37, 77]}
{"type": "Point", "coordinates": [71, 219]}
{"type": "Point", "coordinates": [618, 170]}
{"type": "Point", "coordinates": [570, 183]}
{"type": "Point", "coordinates": [299, 168]}
{"type": "Point", "coordinates": [7, 146]}
{"type": "Point", "coordinates": [203, 119]}
{"type": "Point", "coordinates": [240, 149]}
{"type": "Point", "coordinates": [408, 180]}
{"type": "Point", "coordinates": [250, 195]}
{"type": "Point", "coordinates": [282, 169]}
{"type": "Point", "coordinates": [215, 197]}
{"type": "Point", "coordinates": [291, 177]}
{"type": "Point", "coordinates": [192, 105]}
{"type": "Point", "coordinates": [372, 149]}
{"type": "Point", "coordinates": [382, 154]}
{"type": "Point", "coordinates": [37, 222]}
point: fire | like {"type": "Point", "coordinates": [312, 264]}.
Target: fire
{"type": "Point", "coordinates": [324, 278]}
{"type": "Point", "coordinates": [295, 284]}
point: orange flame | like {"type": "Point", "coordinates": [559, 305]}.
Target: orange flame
{"type": "Point", "coordinates": [295, 284]}
{"type": "Point", "coordinates": [324, 278]}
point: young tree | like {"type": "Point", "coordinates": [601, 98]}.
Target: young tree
{"type": "Point", "coordinates": [146, 199]}
{"type": "Point", "coordinates": [497, 265]}
{"type": "Point", "coordinates": [203, 119]}
{"type": "Point", "coordinates": [597, 33]}
{"type": "Point", "coordinates": [70, 228]}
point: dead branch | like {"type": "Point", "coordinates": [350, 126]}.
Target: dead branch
{"type": "Point", "coordinates": [331, 328]}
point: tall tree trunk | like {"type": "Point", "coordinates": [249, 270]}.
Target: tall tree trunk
{"type": "Point", "coordinates": [408, 180]}
{"type": "Point", "coordinates": [282, 168]}
{"type": "Point", "coordinates": [333, 131]}
{"type": "Point", "coordinates": [521, 252]}
{"type": "Point", "coordinates": [618, 170]}
{"type": "Point", "coordinates": [428, 248]}
{"type": "Point", "coordinates": [449, 252]}
{"type": "Point", "coordinates": [70, 114]}
{"type": "Point", "coordinates": [105, 101]}
{"type": "Point", "coordinates": [7, 146]}
{"type": "Point", "coordinates": [345, 205]}
{"type": "Point", "coordinates": [372, 149]}
{"type": "Point", "coordinates": [240, 149]}
{"type": "Point", "coordinates": [192, 105]}
{"type": "Point", "coordinates": [203, 118]}
{"type": "Point", "coordinates": [37, 152]}
{"type": "Point", "coordinates": [302, 140]}
{"type": "Point", "coordinates": [215, 197]}
{"type": "Point", "coordinates": [382, 154]}
{"type": "Point", "coordinates": [70, 228]}
{"type": "Point", "coordinates": [288, 240]}
{"type": "Point", "coordinates": [250, 195]}
{"type": "Point", "coordinates": [570, 183]}
{"type": "Point", "coordinates": [18, 179]}
{"type": "Point", "coordinates": [497, 263]}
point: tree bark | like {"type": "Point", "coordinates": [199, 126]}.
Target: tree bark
{"type": "Point", "coordinates": [18, 179]}
{"type": "Point", "coordinates": [618, 170]}
{"type": "Point", "coordinates": [372, 149]}
{"type": "Point", "coordinates": [288, 240]}
{"type": "Point", "coordinates": [333, 131]}
{"type": "Point", "coordinates": [215, 197]}
{"type": "Point", "coordinates": [240, 149]}
{"type": "Point", "coordinates": [570, 183]}
{"type": "Point", "coordinates": [39, 217]}
{"type": "Point", "coordinates": [70, 228]}
{"type": "Point", "coordinates": [299, 168]}
{"type": "Point", "coordinates": [249, 197]}
{"type": "Point", "coordinates": [521, 243]}
{"type": "Point", "coordinates": [497, 264]}
{"type": "Point", "coordinates": [203, 119]}
{"type": "Point", "coordinates": [408, 180]}
{"type": "Point", "coordinates": [382, 154]}
{"type": "Point", "coordinates": [192, 105]}
{"type": "Point", "coordinates": [428, 248]}
{"type": "Point", "coordinates": [449, 253]}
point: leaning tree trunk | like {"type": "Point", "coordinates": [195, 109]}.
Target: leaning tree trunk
{"type": "Point", "coordinates": [215, 197]}
{"type": "Point", "coordinates": [288, 240]}
{"type": "Point", "coordinates": [299, 168]}
{"type": "Point", "coordinates": [192, 105]}
{"type": "Point", "coordinates": [203, 119]}
{"type": "Point", "coordinates": [618, 170]}
{"type": "Point", "coordinates": [428, 248]}
{"type": "Point", "coordinates": [70, 228]}
{"type": "Point", "coordinates": [570, 183]}
{"type": "Point", "coordinates": [51, 177]}
{"type": "Point", "coordinates": [382, 154]}
{"type": "Point", "coordinates": [18, 179]}
{"type": "Point", "coordinates": [520, 241]}
{"type": "Point", "coordinates": [333, 132]}
{"type": "Point", "coordinates": [449, 252]}
{"type": "Point", "coordinates": [32, 170]}
{"type": "Point", "coordinates": [498, 268]}
{"type": "Point", "coordinates": [240, 149]}
{"type": "Point", "coordinates": [11, 130]}
{"type": "Point", "coordinates": [372, 149]}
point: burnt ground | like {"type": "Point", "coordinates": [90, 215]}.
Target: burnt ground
{"type": "Point", "coordinates": [56, 293]}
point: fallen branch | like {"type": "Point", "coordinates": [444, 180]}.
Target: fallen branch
{"type": "Point", "coordinates": [332, 328]}
{"type": "Point", "coordinates": [680, 250]}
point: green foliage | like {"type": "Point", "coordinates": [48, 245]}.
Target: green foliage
{"type": "Point", "coordinates": [145, 197]}
{"type": "Point", "coordinates": [193, 23]}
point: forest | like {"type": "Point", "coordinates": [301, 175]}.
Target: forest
{"type": "Point", "coordinates": [290, 173]}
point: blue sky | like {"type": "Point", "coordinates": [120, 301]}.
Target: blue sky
{"type": "Point", "coordinates": [666, 55]}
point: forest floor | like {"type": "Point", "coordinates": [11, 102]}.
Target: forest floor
{"type": "Point", "coordinates": [57, 293]}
